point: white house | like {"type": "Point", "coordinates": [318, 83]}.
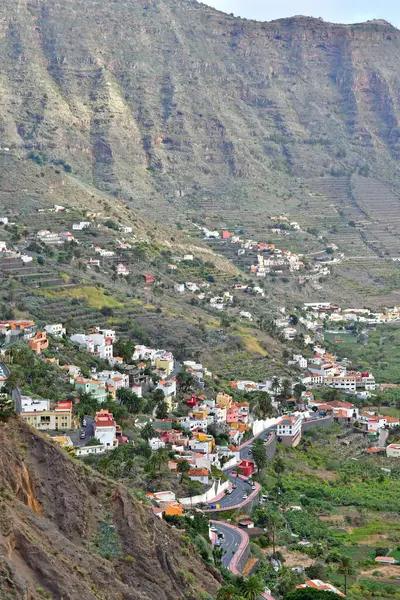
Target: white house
{"type": "Point", "coordinates": [300, 360]}
{"type": "Point", "coordinates": [55, 329]}
{"type": "Point", "coordinates": [155, 443]}
{"type": "Point", "coordinates": [95, 344]}
{"type": "Point", "coordinates": [179, 287]}
{"type": "Point", "coordinates": [125, 229]}
{"type": "Point", "coordinates": [81, 225]}
{"type": "Point", "coordinates": [105, 429]}
{"type": "Point", "coordinates": [108, 333]}
{"type": "Point", "coordinates": [144, 353]}
{"type": "Point", "coordinates": [289, 430]}
{"type": "Point", "coordinates": [393, 451]}
{"type": "Point", "coordinates": [4, 220]}
{"type": "Point", "coordinates": [114, 378]}
{"type": "Point", "coordinates": [122, 270]}
{"type": "Point", "coordinates": [245, 315]}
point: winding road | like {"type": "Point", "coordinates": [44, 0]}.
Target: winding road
{"type": "Point", "coordinates": [234, 544]}
{"type": "Point", "coordinates": [237, 498]}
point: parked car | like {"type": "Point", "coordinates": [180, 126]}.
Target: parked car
{"type": "Point", "coordinates": [229, 491]}
{"type": "Point", "coordinates": [82, 435]}
{"type": "Point", "coordinates": [84, 423]}
{"type": "Point", "coordinates": [234, 486]}
{"type": "Point", "coordinates": [214, 529]}
{"type": "Point", "coordinates": [245, 496]}
{"type": "Point", "coordinates": [221, 536]}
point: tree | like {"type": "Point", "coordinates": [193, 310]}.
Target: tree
{"type": "Point", "coordinates": [259, 454]}
{"type": "Point", "coordinates": [316, 571]}
{"type": "Point", "coordinates": [271, 520]}
{"type": "Point", "coordinates": [225, 322]}
{"type": "Point", "coordinates": [130, 400]}
{"type": "Point", "coordinates": [279, 468]}
{"type": "Point", "coordinates": [275, 385]}
{"type": "Point", "coordinates": [218, 554]}
{"type": "Point", "coordinates": [227, 592]}
{"type": "Point", "coordinates": [264, 403]}
{"type": "Point", "coordinates": [148, 432]}
{"type": "Point", "coordinates": [183, 467]}
{"type": "Point", "coordinates": [298, 389]}
{"type": "Point", "coordinates": [185, 380]}
{"type": "Point", "coordinates": [251, 587]}
{"type": "Point", "coordinates": [286, 388]}
{"type": "Point", "coordinates": [162, 410]}
{"type": "Point", "coordinates": [87, 405]}
{"type": "Point", "coordinates": [6, 407]}
{"type": "Point", "coordinates": [15, 379]}
{"type": "Point", "coordinates": [345, 568]}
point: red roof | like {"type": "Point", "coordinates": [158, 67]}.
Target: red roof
{"type": "Point", "coordinates": [104, 418]}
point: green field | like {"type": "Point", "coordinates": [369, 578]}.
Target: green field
{"type": "Point", "coordinates": [381, 355]}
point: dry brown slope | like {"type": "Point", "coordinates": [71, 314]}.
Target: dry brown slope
{"type": "Point", "coordinates": [51, 510]}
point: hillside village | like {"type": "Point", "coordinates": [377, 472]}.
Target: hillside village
{"type": "Point", "coordinates": [198, 440]}
{"type": "Point", "coordinates": [271, 259]}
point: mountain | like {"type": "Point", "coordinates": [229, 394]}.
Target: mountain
{"type": "Point", "coordinates": [66, 532]}
{"type": "Point", "coordinates": [180, 110]}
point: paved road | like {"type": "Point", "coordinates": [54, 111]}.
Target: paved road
{"type": "Point", "coordinates": [245, 452]}
{"type": "Point", "coordinates": [237, 496]}
{"type": "Point", "coordinates": [89, 430]}
{"type": "Point", "coordinates": [242, 486]}
{"type": "Point", "coordinates": [230, 543]}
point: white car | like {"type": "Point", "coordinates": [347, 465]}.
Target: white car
{"type": "Point", "coordinates": [253, 487]}
{"type": "Point", "coordinates": [229, 491]}
{"type": "Point", "coordinates": [245, 496]}
{"type": "Point", "coordinates": [214, 529]}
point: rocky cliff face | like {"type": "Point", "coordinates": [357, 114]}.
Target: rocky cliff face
{"type": "Point", "coordinates": [70, 534]}
{"type": "Point", "coordinates": [172, 102]}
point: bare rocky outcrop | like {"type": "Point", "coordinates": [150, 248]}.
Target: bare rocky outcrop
{"type": "Point", "coordinates": [57, 518]}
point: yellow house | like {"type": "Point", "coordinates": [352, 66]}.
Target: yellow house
{"type": "Point", "coordinates": [199, 414]}
{"type": "Point", "coordinates": [53, 420]}
{"type": "Point", "coordinates": [164, 363]}
{"type": "Point", "coordinates": [224, 399]}
{"type": "Point", "coordinates": [205, 437]}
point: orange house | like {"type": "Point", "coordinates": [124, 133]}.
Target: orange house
{"type": "Point", "coordinates": [173, 508]}
{"type": "Point", "coordinates": [39, 342]}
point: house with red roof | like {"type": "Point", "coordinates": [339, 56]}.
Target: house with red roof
{"type": "Point", "coordinates": [317, 584]}
{"type": "Point", "coordinates": [105, 429]}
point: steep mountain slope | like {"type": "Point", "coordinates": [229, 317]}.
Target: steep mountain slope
{"type": "Point", "coordinates": [171, 98]}
{"type": "Point", "coordinates": [69, 533]}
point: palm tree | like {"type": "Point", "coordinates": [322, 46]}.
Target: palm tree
{"type": "Point", "coordinates": [251, 588]}
{"type": "Point", "coordinates": [260, 454]}
{"type": "Point", "coordinates": [275, 384]}
{"type": "Point", "coordinates": [218, 554]}
{"type": "Point", "coordinates": [148, 432]}
{"type": "Point", "coordinates": [279, 468]}
{"type": "Point", "coordinates": [185, 380]}
{"type": "Point", "coordinates": [345, 568]}
{"type": "Point", "coordinates": [273, 522]}
{"type": "Point", "coordinates": [15, 379]}
{"type": "Point", "coordinates": [228, 592]}
{"type": "Point", "coordinates": [183, 467]}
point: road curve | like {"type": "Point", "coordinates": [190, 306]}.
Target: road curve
{"type": "Point", "coordinates": [243, 487]}
{"type": "Point", "coordinates": [235, 544]}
